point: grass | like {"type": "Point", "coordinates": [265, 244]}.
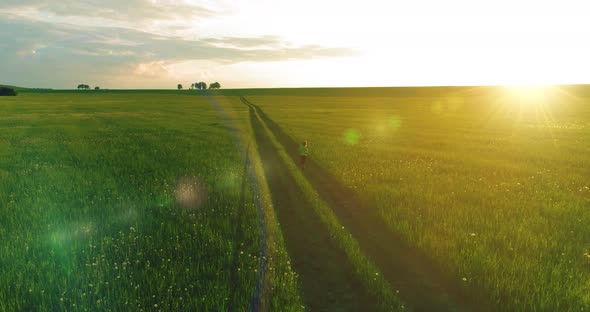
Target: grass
{"type": "Point", "coordinates": [366, 271]}
{"type": "Point", "coordinates": [492, 186]}
{"type": "Point", "coordinates": [282, 288]}
{"type": "Point", "coordinates": [90, 218]}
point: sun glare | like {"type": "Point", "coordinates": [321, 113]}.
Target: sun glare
{"type": "Point", "coordinates": [529, 94]}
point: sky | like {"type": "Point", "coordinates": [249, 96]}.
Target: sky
{"type": "Point", "coordinates": [274, 43]}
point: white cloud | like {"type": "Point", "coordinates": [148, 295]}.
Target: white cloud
{"type": "Point", "coordinates": [44, 54]}
{"type": "Point", "coordinates": [151, 69]}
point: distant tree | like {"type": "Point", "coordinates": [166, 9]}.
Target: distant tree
{"type": "Point", "coordinates": [200, 85]}
{"type": "Point", "coordinates": [215, 85]}
{"type": "Point", "coordinates": [83, 87]}
{"type": "Point", "coordinates": [97, 88]}
{"type": "Point", "coordinates": [192, 86]}
{"type": "Point", "coordinates": [179, 86]}
{"type": "Point", "coordinates": [6, 91]}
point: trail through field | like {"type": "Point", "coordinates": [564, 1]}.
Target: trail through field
{"type": "Point", "coordinates": [422, 284]}
{"type": "Point", "coordinates": [327, 277]}
{"type": "Point", "coordinates": [239, 232]}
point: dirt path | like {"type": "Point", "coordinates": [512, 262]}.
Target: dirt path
{"type": "Point", "coordinates": [421, 283]}
{"type": "Point", "coordinates": [327, 278]}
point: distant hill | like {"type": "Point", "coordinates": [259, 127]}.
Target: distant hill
{"type": "Point", "coordinates": [25, 90]}
{"type": "Point", "coordinates": [12, 87]}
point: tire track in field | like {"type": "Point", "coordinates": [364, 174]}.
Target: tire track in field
{"type": "Point", "coordinates": [239, 232]}
{"type": "Point", "coordinates": [327, 277]}
{"type": "Point", "coordinates": [261, 296]}
{"type": "Point", "coordinates": [422, 284]}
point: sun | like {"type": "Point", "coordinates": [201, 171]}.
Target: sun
{"type": "Point", "coordinates": [529, 94]}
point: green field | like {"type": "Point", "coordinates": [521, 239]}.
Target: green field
{"type": "Point", "coordinates": [126, 202]}
{"type": "Point", "coordinates": [494, 187]}
{"type": "Point", "coordinates": [446, 199]}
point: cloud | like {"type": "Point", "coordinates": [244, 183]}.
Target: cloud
{"type": "Point", "coordinates": [110, 43]}
{"type": "Point", "coordinates": [164, 17]}
{"type": "Point", "coordinates": [245, 43]}
{"type": "Point", "coordinates": [39, 53]}
{"type": "Point", "coordinates": [128, 10]}
{"type": "Point", "coordinates": [151, 69]}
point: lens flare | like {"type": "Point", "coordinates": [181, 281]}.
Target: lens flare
{"type": "Point", "coordinates": [394, 122]}
{"type": "Point", "coordinates": [352, 136]}
{"type": "Point", "coordinates": [230, 180]}
{"type": "Point", "coordinates": [190, 193]}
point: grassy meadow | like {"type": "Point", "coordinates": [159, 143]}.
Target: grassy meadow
{"type": "Point", "coordinates": [141, 200]}
{"type": "Point", "coordinates": [126, 202]}
{"type": "Point", "coordinates": [492, 184]}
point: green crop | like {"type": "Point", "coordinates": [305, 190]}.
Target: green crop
{"type": "Point", "coordinates": [124, 202]}
{"type": "Point", "coordinates": [495, 189]}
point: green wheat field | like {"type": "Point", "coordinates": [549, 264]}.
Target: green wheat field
{"type": "Point", "coordinates": [160, 200]}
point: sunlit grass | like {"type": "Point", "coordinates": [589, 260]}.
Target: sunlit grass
{"type": "Point", "coordinates": [283, 293]}
{"type": "Point", "coordinates": [495, 191]}
{"type": "Point", "coordinates": [365, 269]}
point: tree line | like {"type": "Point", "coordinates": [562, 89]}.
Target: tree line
{"type": "Point", "coordinates": [86, 87]}
{"type": "Point", "coordinates": [6, 91]}
{"type": "Point", "coordinates": [201, 86]}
